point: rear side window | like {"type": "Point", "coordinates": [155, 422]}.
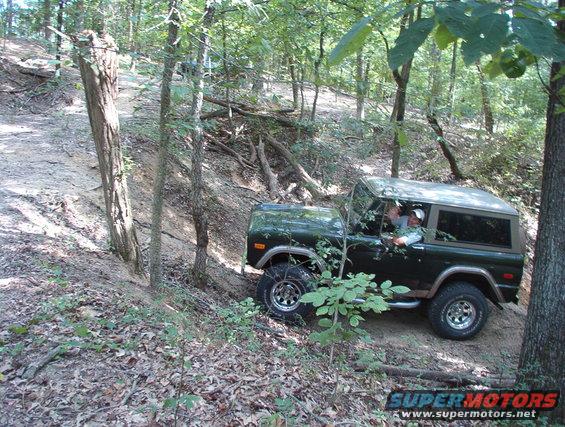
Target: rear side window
{"type": "Point", "coordinates": [478, 229]}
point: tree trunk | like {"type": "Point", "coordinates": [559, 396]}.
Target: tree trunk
{"type": "Point", "coordinates": [258, 86]}
{"type": "Point", "coordinates": [47, 19]}
{"type": "Point", "coordinates": [456, 172]}
{"type": "Point", "coordinates": [302, 98]}
{"type": "Point", "coordinates": [399, 108]}
{"type": "Point", "coordinates": [134, 48]}
{"type": "Point", "coordinates": [155, 268]}
{"type": "Point", "coordinates": [198, 210]}
{"type": "Point", "coordinates": [542, 359]}
{"type": "Point", "coordinates": [360, 88]}
{"type": "Point", "coordinates": [487, 110]}
{"type": "Point", "coordinates": [59, 38]}
{"type": "Point", "coordinates": [9, 17]}
{"type": "Point", "coordinates": [452, 72]}
{"type": "Point", "coordinates": [98, 68]}
{"type": "Point", "coordinates": [399, 111]}
{"type": "Point", "coordinates": [317, 64]}
{"type": "Point", "coordinates": [435, 79]}
{"type": "Point", "coordinates": [295, 84]}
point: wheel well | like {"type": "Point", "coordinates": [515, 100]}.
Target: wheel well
{"type": "Point", "coordinates": [294, 259]}
{"type": "Point", "coordinates": [479, 281]}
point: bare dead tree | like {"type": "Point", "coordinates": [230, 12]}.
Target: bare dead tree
{"type": "Point", "coordinates": [99, 71]}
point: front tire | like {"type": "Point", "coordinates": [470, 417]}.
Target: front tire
{"type": "Point", "coordinates": [458, 311]}
{"type": "Point", "coordinates": [280, 288]}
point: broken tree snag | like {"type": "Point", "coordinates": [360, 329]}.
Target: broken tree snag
{"type": "Point", "coordinates": [453, 378]}
{"type": "Point", "coordinates": [310, 183]}
{"type": "Point", "coordinates": [444, 147]}
{"type": "Point", "coordinates": [272, 182]}
{"type": "Point", "coordinates": [99, 72]}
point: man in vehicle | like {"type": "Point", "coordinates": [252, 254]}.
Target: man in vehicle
{"type": "Point", "coordinates": [412, 231]}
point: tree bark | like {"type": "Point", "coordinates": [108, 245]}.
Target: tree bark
{"type": "Point", "coordinates": [58, 37]}
{"type": "Point", "coordinates": [399, 108]}
{"type": "Point", "coordinates": [155, 267]}
{"type": "Point", "coordinates": [47, 19]}
{"type": "Point", "coordinates": [198, 211]}
{"type": "Point", "coordinates": [487, 110]}
{"type": "Point", "coordinates": [98, 68]}
{"type": "Point", "coordinates": [294, 80]}
{"type": "Point", "coordinates": [360, 82]}
{"type": "Point", "coordinates": [452, 73]}
{"type": "Point", "coordinates": [435, 79]}
{"type": "Point", "coordinates": [317, 64]}
{"type": "Point", "coordinates": [542, 359]}
{"type": "Point", "coordinates": [272, 182]}
{"type": "Point", "coordinates": [456, 172]}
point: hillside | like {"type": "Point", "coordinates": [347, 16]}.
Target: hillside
{"type": "Point", "coordinates": [82, 340]}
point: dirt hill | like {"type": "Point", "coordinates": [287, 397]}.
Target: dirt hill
{"type": "Point", "coordinates": [82, 340]}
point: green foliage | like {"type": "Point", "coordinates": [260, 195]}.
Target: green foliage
{"type": "Point", "coordinates": [409, 41]}
{"type": "Point", "coordinates": [238, 320]}
{"type": "Point", "coordinates": [340, 297]}
{"type": "Point", "coordinates": [352, 41]}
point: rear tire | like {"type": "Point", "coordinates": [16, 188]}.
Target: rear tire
{"type": "Point", "coordinates": [458, 311]}
{"type": "Point", "coordinates": [280, 289]}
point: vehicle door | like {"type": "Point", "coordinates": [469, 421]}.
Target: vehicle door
{"type": "Point", "coordinates": [368, 253]}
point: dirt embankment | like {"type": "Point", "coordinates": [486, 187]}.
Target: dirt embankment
{"type": "Point", "coordinates": [60, 285]}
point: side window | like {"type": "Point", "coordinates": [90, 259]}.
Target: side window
{"type": "Point", "coordinates": [466, 228]}
{"type": "Point", "coordinates": [370, 223]}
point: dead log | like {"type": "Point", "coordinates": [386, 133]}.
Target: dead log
{"type": "Point", "coordinates": [42, 73]}
{"type": "Point", "coordinates": [452, 378]}
{"type": "Point", "coordinates": [310, 183]}
{"type": "Point", "coordinates": [214, 114]}
{"type": "Point", "coordinates": [283, 121]}
{"type": "Point", "coordinates": [34, 368]}
{"type": "Point", "coordinates": [272, 182]}
{"type": "Point", "coordinates": [244, 163]}
{"type": "Point", "coordinates": [444, 147]}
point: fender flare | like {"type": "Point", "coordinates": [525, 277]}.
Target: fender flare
{"type": "Point", "coordinates": [477, 271]}
{"type": "Point", "coordinates": [291, 250]}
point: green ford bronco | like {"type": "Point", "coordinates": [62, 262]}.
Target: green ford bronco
{"type": "Point", "coordinates": [454, 247]}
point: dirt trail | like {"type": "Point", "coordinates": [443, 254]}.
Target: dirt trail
{"type": "Point", "coordinates": [51, 211]}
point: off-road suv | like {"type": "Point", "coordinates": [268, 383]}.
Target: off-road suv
{"type": "Point", "coordinates": [470, 250]}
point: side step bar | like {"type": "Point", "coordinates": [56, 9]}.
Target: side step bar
{"type": "Point", "coordinates": [394, 304]}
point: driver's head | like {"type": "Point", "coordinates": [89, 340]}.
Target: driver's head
{"type": "Point", "coordinates": [416, 217]}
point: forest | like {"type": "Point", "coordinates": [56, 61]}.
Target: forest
{"type": "Point", "coordinates": [138, 139]}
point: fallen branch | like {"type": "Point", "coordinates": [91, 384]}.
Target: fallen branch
{"type": "Point", "coordinates": [310, 183]}
{"type": "Point", "coordinates": [444, 147]}
{"type": "Point", "coordinates": [452, 378]}
{"type": "Point", "coordinates": [243, 162]}
{"type": "Point", "coordinates": [130, 393]}
{"type": "Point", "coordinates": [244, 112]}
{"type": "Point", "coordinates": [36, 72]}
{"type": "Point", "coordinates": [34, 368]}
{"type": "Point", "coordinates": [272, 183]}
{"type": "Point", "coordinates": [214, 114]}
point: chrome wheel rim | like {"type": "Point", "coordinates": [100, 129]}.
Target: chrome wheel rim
{"type": "Point", "coordinates": [285, 295]}
{"type": "Point", "coordinates": [461, 314]}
